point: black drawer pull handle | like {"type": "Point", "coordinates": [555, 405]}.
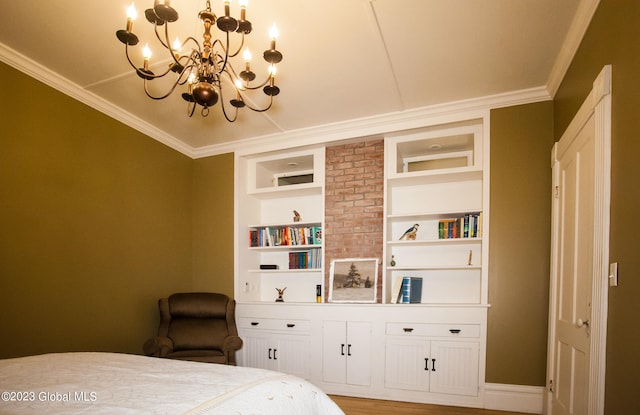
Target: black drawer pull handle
{"type": "Point", "coordinates": [455, 331]}
{"type": "Point", "coordinates": [290, 325]}
{"type": "Point", "coordinates": [254, 323]}
{"type": "Point", "coordinates": [407, 329]}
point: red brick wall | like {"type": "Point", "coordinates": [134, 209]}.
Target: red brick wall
{"type": "Point", "coordinates": [354, 195]}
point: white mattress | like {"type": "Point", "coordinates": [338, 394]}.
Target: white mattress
{"type": "Point", "coordinates": [112, 383]}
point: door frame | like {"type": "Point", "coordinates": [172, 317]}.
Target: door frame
{"type": "Point", "coordinates": [598, 105]}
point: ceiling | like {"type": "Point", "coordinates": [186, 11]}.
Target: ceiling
{"type": "Point", "coordinates": [343, 60]}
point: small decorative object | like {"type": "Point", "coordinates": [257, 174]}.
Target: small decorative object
{"type": "Point", "coordinates": [353, 280]}
{"type": "Point", "coordinates": [296, 216]}
{"type": "Point", "coordinates": [393, 261]}
{"type": "Point", "coordinates": [318, 293]}
{"type": "Point", "coordinates": [280, 294]}
{"type": "Point", "coordinates": [410, 234]}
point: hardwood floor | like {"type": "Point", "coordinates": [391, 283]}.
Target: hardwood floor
{"type": "Point", "coordinates": [361, 406]}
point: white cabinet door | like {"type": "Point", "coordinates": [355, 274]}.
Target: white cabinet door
{"type": "Point", "coordinates": [292, 355]}
{"type": "Point", "coordinates": [407, 364]}
{"type": "Point", "coordinates": [359, 353]}
{"type": "Point", "coordinates": [454, 367]}
{"type": "Point", "coordinates": [284, 353]}
{"type": "Point", "coordinates": [346, 352]}
{"type": "Point", "coordinates": [258, 351]}
{"type": "Point", "coordinates": [449, 367]}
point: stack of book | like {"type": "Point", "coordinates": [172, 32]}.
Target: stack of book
{"type": "Point", "coordinates": [467, 226]}
{"type": "Point", "coordinates": [311, 259]}
{"type": "Point", "coordinates": [285, 236]}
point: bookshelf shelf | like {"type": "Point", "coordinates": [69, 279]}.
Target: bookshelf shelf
{"type": "Point", "coordinates": [435, 267]}
{"type": "Point", "coordinates": [444, 241]}
{"type": "Point", "coordinates": [285, 271]}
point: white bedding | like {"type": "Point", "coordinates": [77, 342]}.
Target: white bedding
{"type": "Point", "coordinates": [113, 384]}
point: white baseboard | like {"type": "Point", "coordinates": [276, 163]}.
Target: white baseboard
{"type": "Point", "coordinates": [515, 398]}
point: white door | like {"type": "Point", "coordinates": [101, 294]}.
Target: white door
{"type": "Point", "coordinates": [575, 193]}
{"type": "Point", "coordinates": [579, 258]}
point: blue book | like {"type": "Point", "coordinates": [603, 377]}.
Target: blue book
{"type": "Point", "coordinates": [406, 290]}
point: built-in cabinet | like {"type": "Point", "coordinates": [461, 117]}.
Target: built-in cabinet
{"type": "Point", "coordinates": [435, 233]}
{"type": "Point", "coordinates": [415, 360]}
{"type": "Point", "coordinates": [276, 344]}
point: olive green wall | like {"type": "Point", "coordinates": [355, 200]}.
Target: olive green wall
{"type": "Point", "coordinates": [519, 250]}
{"type": "Point", "coordinates": [614, 38]}
{"type": "Point", "coordinates": [96, 223]}
{"type": "Point", "coordinates": [213, 224]}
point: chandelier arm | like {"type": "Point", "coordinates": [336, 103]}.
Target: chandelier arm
{"type": "Point", "coordinates": [224, 109]}
{"type": "Point", "coordinates": [126, 52]}
{"type": "Point", "coordinates": [233, 55]}
{"type": "Point", "coordinates": [240, 95]}
{"type": "Point", "coordinates": [144, 75]}
{"type": "Point", "coordinates": [255, 109]}
{"type": "Point", "coordinates": [157, 98]}
{"type": "Point", "coordinates": [194, 40]}
{"type": "Point", "coordinates": [253, 88]}
{"type": "Point", "coordinates": [162, 41]}
{"type": "Point", "coordinates": [231, 74]}
{"type": "Point", "coordinates": [226, 55]}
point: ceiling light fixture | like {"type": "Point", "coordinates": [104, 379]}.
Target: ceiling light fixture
{"type": "Point", "coordinates": [206, 68]}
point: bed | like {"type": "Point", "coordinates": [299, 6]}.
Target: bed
{"type": "Point", "coordinates": [113, 383]}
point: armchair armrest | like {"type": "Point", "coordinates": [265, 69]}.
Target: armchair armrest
{"type": "Point", "coordinates": [231, 343]}
{"type": "Point", "coordinates": [158, 346]}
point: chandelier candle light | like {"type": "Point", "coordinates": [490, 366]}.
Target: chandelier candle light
{"type": "Point", "coordinates": [206, 68]}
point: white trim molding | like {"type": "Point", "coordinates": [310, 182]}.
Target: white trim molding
{"type": "Point", "coordinates": [579, 25]}
{"type": "Point", "coordinates": [514, 398]}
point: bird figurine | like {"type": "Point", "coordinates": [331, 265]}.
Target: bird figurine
{"type": "Point", "coordinates": [410, 234]}
{"type": "Point", "coordinates": [280, 299]}
{"type": "Point", "coordinates": [296, 216]}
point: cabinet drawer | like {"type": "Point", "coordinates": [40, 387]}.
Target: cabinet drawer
{"type": "Point", "coordinates": [296, 326]}
{"type": "Point", "coordinates": [433, 330]}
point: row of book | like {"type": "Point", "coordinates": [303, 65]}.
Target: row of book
{"type": "Point", "coordinates": [311, 259]}
{"type": "Point", "coordinates": [467, 226]}
{"type": "Point", "coordinates": [285, 236]}
{"type": "Point", "coordinates": [407, 290]}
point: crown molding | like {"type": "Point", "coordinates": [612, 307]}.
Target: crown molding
{"type": "Point", "coordinates": [75, 91]}
{"type": "Point", "coordinates": [579, 25]}
{"type": "Point", "coordinates": [379, 125]}
{"type": "Point", "coordinates": [361, 127]}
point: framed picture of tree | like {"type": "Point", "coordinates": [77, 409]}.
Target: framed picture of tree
{"type": "Point", "coordinates": [353, 280]}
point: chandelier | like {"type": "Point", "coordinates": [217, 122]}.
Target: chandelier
{"type": "Point", "coordinates": [205, 69]}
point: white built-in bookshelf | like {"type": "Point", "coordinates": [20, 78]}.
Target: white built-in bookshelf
{"type": "Point", "coordinates": [280, 220]}
{"type": "Point", "coordinates": [435, 178]}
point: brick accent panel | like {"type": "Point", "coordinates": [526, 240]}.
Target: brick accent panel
{"type": "Point", "coordinates": [354, 196]}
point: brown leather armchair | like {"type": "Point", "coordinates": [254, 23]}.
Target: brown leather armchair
{"type": "Point", "coordinates": [196, 326]}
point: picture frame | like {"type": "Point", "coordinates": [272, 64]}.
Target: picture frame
{"type": "Point", "coordinates": [353, 280]}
